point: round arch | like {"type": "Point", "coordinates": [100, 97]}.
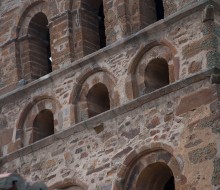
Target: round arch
{"type": "Point", "coordinates": [32, 32]}
{"type": "Point", "coordinates": [25, 124]}
{"type": "Point", "coordinates": [162, 49]}
{"type": "Point", "coordinates": [90, 78]}
{"type": "Point", "coordinates": [140, 166]}
{"type": "Point", "coordinates": [28, 12]}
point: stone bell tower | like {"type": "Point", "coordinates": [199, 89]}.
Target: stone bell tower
{"type": "Point", "coordinates": [111, 94]}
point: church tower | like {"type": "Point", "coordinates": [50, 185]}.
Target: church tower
{"type": "Point", "coordinates": [111, 94]}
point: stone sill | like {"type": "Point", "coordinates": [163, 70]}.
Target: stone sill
{"type": "Point", "coordinates": [109, 50]}
{"type": "Point", "coordinates": [99, 119]}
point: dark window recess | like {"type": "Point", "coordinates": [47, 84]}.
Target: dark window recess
{"type": "Point", "coordinates": [157, 176]}
{"type": "Point", "coordinates": [156, 74]}
{"type": "Point", "coordinates": [93, 26]}
{"type": "Point", "coordinates": [102, 35]}
{"type": "Point", "coordinates": [159, 9]}
{"type": "Point", "coordinates": [43, 125]}
{"type": "Point", "coordinates": [98, 100]}
{"type": "Point", "coordinates": [170, 185]}
{"type": "Point", "coordinates": [39, 44]}
{"type": "Point", "coordinates": [49, 59]}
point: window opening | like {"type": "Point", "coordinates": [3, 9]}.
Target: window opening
{"type": "Point", "coordinates": [49, 58]}
{"type": "Point", "coordinates": [102, 35]}
{"type": "Point", "coordinates": [170, 185]}
{"type": "Point", "coordinates": [93, 26]}
{"type": "Point", "coordinates": [39, 46]}
{"type": "Point", "coordinates": [156, 74]}
{"type": "Point", "coordinates": [157, 176]}
{"type": "Point", "coordinates": [43, 125]}
{"type": "Point", "coordinates": [159, 9]}
{"type": "Point", "coordinates": [98, 100]}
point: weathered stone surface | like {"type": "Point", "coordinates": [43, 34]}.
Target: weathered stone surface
{"type": "Point", "coordinates": [50, 163]}
{"type": "Point", "coordinates": [194, 100]}
{"type": "Point", "coordinates": [3, 122]}
{"type": "Point", "coordinates": [216, 172]}
{"type": "Point", "coordinates": [131, 133]}
{"type": "Point", "coordinates": [213, 58]}
{"type": "Point", "coordinates": [58, 151]}
{"type": "Point", "coordinates": [122, 153]}
{"type": "Point", "coordinates": [195, 67]}
{"type": "Point", "coordinates": [6, 136]}
{"type": "Point", "coordinates": [208, 122]}
{"type": "Point", "coordinates": [12, 147]}
{"type": "Point", "coordinates": [158, 105]}
{"type": "Point", "coordinates": [203, 154]}
{"type": "Point", "coordinates": [91, 171]}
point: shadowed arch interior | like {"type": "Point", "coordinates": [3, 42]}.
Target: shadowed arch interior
{"type": "Point", "coordinates": [156, 74]}
{"type": "Point", "coordinates": [98, 100]}
{"type": "Point", "coordinates": [101, 17]}
{"type": "Point", "coordinates": [43, 125]}
{"type": "Point", "coordinates": [157, 176]}
{"type": "Point", "coordinates": [159, 9]}
{"type": "Point", "coordinates": [39, 47]}
{"type": "Point", "coordinates": [150, 169]}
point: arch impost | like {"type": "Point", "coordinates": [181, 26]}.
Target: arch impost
{"type": "Point", "coordinates": [53, 19]}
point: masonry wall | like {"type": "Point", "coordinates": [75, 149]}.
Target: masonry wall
{"type": "Point", "coordinates": [176, 124]}
{"type": "Point", "coordinates": [69, 40]}
{"type": "Point", "coordinates": [120, 71]}
{"type": "Point", "coordinates": [185, 126]}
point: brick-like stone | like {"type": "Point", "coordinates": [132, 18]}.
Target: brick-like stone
{"type": "Point", "coordinates": [196, 99]}
{"type": "Point", "coordinates": [95, 170]}
{"type": "Point", "coordinates": [122, 153]}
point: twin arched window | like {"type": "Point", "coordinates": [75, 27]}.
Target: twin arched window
{"type": "Point", "coordinates": [36, 49]}
{"type": "Point", "coordinates": [36, 61]}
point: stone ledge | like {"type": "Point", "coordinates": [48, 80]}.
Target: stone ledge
{"type": "Point", "coordinates": [94, 121]}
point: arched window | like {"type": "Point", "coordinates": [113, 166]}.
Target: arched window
{"type": "Point", "coordinates": [93, 25]}
{"type": "Point", "coordinates": [98, 100]}
{"type": "Point", "coordinates": [157, 176]}
{"type": "Point", "coordinates": [43, 125]}
{"type": "Point", "coordinates": [156, 170]}
{"type": "Point", "coordinates": [39, 53]}
{"type": "Point", "coordinates": [156, 74]}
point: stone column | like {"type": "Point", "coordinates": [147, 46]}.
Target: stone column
{"type": "Point", "coordinates": [61, 40]}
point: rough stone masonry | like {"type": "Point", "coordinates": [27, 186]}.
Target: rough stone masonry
{"type": "Point", "coordinates": [112, 94]}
